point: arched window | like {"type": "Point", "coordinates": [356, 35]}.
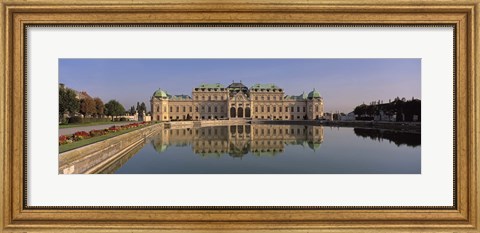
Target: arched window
{"type": "Point", "coordinates": [247, 112]}
{"type": "Point", "coordinates": [240, 112]}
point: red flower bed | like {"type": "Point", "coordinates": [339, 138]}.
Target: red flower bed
{"type": "Point", "coordinates": [80, 135]}
{"type": "Point", "coordinates": [62, 139]}
{"type": "Point", "coordinates": [98, 132]}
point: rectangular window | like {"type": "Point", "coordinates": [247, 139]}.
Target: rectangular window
{"type": "Point", "coordinates": [158, 109]}
{"type": "Point", "coordinates": [171, 109]}
{"type": "Point", "coordinates": [178, 109]}
{"type": "Point", "coordinates": [268, 109]}
{"type": "Point", "coordinates": [280, 109]}
{"type": "Point", "coordinates": [196, 109]}
{"type": "Point", "coordinates": [209, 109]}
{"type": "Point", "coordinates": [184, 109]}
{"type": "Point", "coordinates": [190, 109]}
{"type": "Point", "coordinates": [263, 109]}
{"type": "Point", "coordinates": [286, 109]}
{"type": "Point", "coordinates": [298, 109]}
{"type": "Point", "coordinates": [292, 109]}
{"type": "Point", "coordinates": [216, 109]}
{"type": "Point", "coordinates": [274, 109]}
{"type": "Point", "coordinates": [256, 109]}
{"type": "Point", "coordinates": [304, 109]}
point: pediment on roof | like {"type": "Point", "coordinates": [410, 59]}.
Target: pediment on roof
{"type": "Point", "coordinates": [240, 96]}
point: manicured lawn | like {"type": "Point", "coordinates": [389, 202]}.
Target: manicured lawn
{"type": "Point", "coordinates": [84, 142]}
{"type": "Point", "coordinates": [88, 124]}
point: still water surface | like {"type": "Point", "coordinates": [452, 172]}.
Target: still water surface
{"type": "Point", "coordinates": [274, 149]}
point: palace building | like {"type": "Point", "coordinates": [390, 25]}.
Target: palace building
{"type": "Point", "coordinates": [214, 101]}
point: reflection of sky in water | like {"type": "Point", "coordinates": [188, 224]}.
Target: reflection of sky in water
{"type": "Point", "coordinates": [340, 151]}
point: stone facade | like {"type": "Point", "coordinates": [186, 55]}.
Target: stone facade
{"type": "Point", "coordinates": [214, 101]}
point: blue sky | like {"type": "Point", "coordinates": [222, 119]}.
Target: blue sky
{"type": "Point", "coordinates": [343, 83]}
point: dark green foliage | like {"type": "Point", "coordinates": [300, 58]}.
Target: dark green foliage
{"type": "Point", "coordinates": [75, 120]}
{"type": "Point", "coordinates": [67, 102]}
{"type": "Point", "coordinates": [403, 109]}
{"type": "Point", "coordinates": [80, 120]}
{"type": "Point", "coordinates": [143, 108]}
{"type": "Point", "coordinates": [114, 108]}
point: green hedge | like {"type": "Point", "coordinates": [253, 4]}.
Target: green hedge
{"type": "Point", "coordinates": [80, 120]}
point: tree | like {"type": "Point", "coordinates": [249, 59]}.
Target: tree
{"type": "Point", "coordinates": [87, 106]}
{"type": "Point", "coordinates": [132, 110]}
{"type": "Point", "coordinates": [143, 108]}
{"type": "Point", "coordinates": [68, 102]}
{"type": "Point", "coordinates": [99, 106]}
{"type": "Point", "coordinates": [114, 108]}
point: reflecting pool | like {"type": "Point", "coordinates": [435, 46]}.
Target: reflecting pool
{"type": "Point", "coordinates": [274, 149]}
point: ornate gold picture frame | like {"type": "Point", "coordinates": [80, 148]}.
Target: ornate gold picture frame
{"type": "Point", "coordinates": [18, 216]}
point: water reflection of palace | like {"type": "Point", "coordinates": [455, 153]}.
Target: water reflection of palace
{"type": "Point", "coordinates": [238, 140]}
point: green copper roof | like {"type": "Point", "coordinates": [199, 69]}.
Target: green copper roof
{"type": "Point", "coordinates": [314, 94]}
{"type": "Point", "coordinates": [206, 85]}
{"type": "Point", "coordinates": [180, 97]}
{"type": "Point", "coordinates": [160, 93]}
{"type": "Point", "coordinates": [269, 86]}
{"type": "Point", "coordinates": [303, 96]}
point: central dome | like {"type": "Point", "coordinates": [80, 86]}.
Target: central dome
{"type": "Point", "coordinates": [237, 87]}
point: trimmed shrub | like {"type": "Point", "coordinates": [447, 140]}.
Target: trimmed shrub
{"type": "Point", "coordinates": [75, 120]}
